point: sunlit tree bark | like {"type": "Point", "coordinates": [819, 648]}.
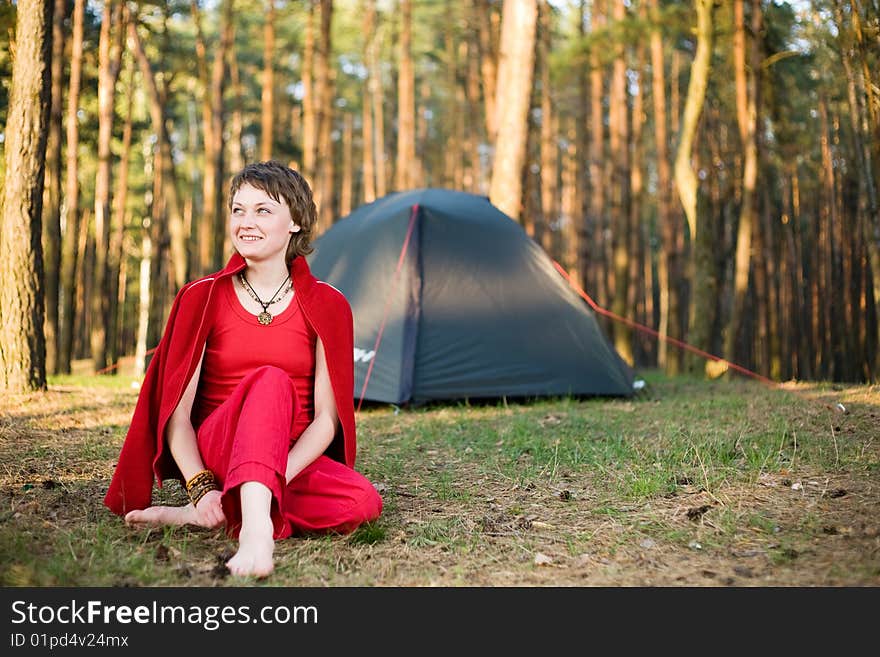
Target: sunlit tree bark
{"type": "Point", "coordinates": [517, 62]}
{"type": "Point", "coordinates": [52, 193]}
{"type": "Point", "coordinates": [488, 64]}
{"type": "Point", "coordinates": [267, 114]}
{"type": "Point", "coordinates": [109, 65]}
{"type": "Point", "coordinates": [549, 130]}
{"type": "Point", "coordinates": [324, 94]}
{"type": "Point", "coordinates": [310, 99]}
{"type": "Point", "coordinates": [597, 183]}
{"type": "Point", "coordinates": [618, 141]}
{"type": "Point", "coordinates": [406, 166]}
{"type": "Point", "coordinates": [368, 7]}
{"type": "Point", "coordinates": [705, 281]}
{"type": "Point", "coordinates": [667, 261]}
{"type": "Point", "coordinates": [22, 343]}
{"type": "Point", "coordinates": [70, 236]}
{"type": "Point", "coordinates": [746, 118]}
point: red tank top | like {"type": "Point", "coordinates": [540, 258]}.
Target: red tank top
{"type": "Point", "coordinates": [238, 344]}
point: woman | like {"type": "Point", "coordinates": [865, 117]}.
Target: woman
{"type": "Point", "coordinates": [248, 399]}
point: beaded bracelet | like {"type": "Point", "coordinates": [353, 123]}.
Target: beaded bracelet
{"type": "Point", "coordinates": [198, 492]}
{"type": "Point", "coordinates": [200, 485]}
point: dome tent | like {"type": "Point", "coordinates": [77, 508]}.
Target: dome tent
{"type": "Point", "coordinates": [451, 299]}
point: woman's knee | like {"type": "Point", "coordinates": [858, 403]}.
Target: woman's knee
{"type": "Point", "coordinates": [268, 375]}
{"type": "Point", "coordinates": [270, 382]}
{"type": "Point", "coordinates": [369, 506]}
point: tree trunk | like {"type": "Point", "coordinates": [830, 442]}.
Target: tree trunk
{"type": "Point", "coordinates": [746, 115]}
{"type": "Point", "coordinates": [680, 279]}
{"type": "Point", "coordinates": [166, 164]}
{"type": "Point", "coordinates": [310, 100]}
{"type": "Point", "coordinates": [705, 278]}
{"type": "Point", "coordinates": [474, 178]}
{"type": "Point", "coordinates": [406, 104]}
{"type": "Point", "coordinates": [824, 258]}
{"type": "Point", "coordinates": [765, 292]}
{"type": "Point", "coordinates": [214, 212]}
{"type": "Point", "coordinates": [204, 222]}
{"type": "Point", "coordinates": [467, 104]}
{"type": "Point", "coordinates": [417, 169]}
{"type": "Point", "coordinates": [871, 100]}
{"type": "Point", "coordinates": [324, 94]}
{"type": "Point", "coordinates": [570, 206]}
{"type": "Point", "coordinates": [667, 263]}
{"type": "Point", "coordinates": [549, 148]}
{"type": "Point", "coordinates": [801, 291]}
{"type": "Point", "coordinates": [52, 193]}
{"type": "Point", "coordinates": [369, 156]}
{"type": "Point", "coordinates": [157, 232]}
{"type": "Point", "coordinates": [110, 61]}
{"type": "Point", "coordinates": [531, 216]}
{"type": "Point", "coordinates": [586, 229]}
{"type": "Point", "coordinates": [212, 223]}
{"type": "Point", "coordinates": [140, 354]}
{"type": "Point", "coordinates": [346, 192]}
{"type": "Point", "coordinates": [376, 100]}
{"type": "Point", "coordinates": [236, 123]}
{"type": "Point", "coordinates": [514, 93]}
{"type": "Point", "coordinates": [488, 65]}
{"type": "Point", "coordinates": [84, 276]}
{"type": "Point", "coordinates": [454, 109]}
{"type": "Point", "coordinates": [268, 95]}
{"type": "Point", "coordinates": [789, 298]}
{"type": "Point", "coordinates": [637, 288]}
{"type": "Point", "coordinates": [22, 343]}
{"type": "Point", "coordinates": [116, 256]}
{"type": "Point", "coordinates": [72, 217]}
{"type": "Point", "coordinates": [618, 139]}
{"type": "Point", "coordinates": [685, 178]}
{"type": "Point", "coordinates": [596, 213]}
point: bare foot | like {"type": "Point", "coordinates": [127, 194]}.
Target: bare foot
{"type": "Point", "coordinates": [162, 515]}
{"type": "Point", "coordinates": [255, 548]}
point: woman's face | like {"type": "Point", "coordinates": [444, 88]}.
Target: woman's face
{"type": "Point", "coordinates": [259, 226]}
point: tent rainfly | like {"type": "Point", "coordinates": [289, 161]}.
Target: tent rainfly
{"type": "Point", "coordinates": [451, 299]}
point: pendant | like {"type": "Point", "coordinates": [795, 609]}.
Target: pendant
{"type": "Point", "coordinates": [265, 318]}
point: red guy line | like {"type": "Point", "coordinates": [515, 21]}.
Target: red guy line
{"type": "Point", "coordinates": [678, 343]}
{"type": "Point", "coordinates": [647, 329]}
{"type": "Point", "coordinates": [400, 259]}
{"type": "Point", "coordinates": [116, 364]}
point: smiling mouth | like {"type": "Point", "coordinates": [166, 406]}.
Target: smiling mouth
{"type": "Point", "coordinates": [249, 238]}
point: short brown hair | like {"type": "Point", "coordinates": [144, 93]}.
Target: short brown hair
{"type": "Point", "coordinates": [281, 182]}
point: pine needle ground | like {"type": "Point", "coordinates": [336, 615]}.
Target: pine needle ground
{"type": "Point", "coordinates": [692, 483]}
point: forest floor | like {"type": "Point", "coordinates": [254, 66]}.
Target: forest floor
{"type": "Point", "coordinates": [690, 483]}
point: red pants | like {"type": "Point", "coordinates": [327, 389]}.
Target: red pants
{"type": "Point", "coordinates": [248, 437]}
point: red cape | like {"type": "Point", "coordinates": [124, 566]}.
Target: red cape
{"type": "Point", "coordinates": [144, 459]}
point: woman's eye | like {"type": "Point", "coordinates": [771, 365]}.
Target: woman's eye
{"type": "Point", "coordinates": [265, 210]}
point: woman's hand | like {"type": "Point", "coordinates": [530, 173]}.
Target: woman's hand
{"type": "Point", "coordinates": [209, 512]}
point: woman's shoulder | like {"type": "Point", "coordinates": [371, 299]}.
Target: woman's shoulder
{"type": "Point", "coordinates": [328, 294]}
{"type": "Point", "coordinates": [197, 287]}
{"type": "Point", "coordinates": [194, 296]}
{"type": "Point", "coordinates": [327, 305]}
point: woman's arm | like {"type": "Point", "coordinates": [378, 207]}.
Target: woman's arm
{"type": "Point", "coordinates": [319, 434]}
{"type": "Point", "coordinates": [179, 431]}
{"type": "Point", "coordinates": [182, 442]}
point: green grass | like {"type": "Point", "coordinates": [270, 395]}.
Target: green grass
{"type": "Point", "coordinates": [91, 381]}
{"type": "Point", "coordinates": [689, 472]}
